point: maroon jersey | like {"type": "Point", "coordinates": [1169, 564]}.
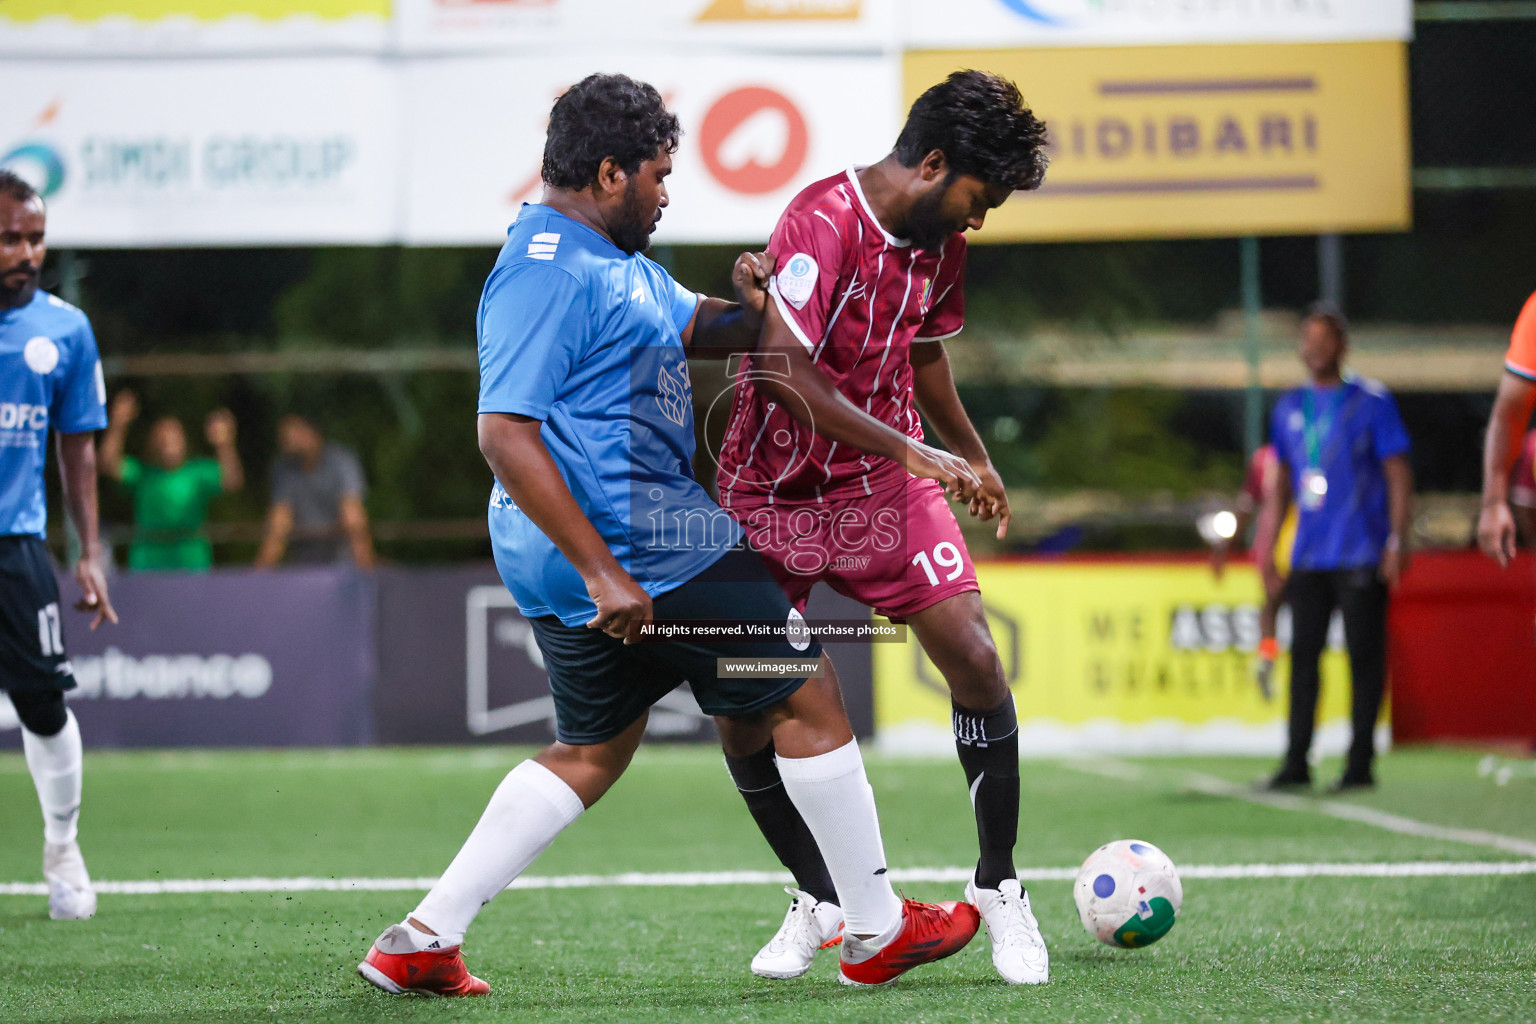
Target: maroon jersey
{"type": "Point", "coordinates": [1252, 495]}
{"type": "Point", "coordinates": [857, 298]}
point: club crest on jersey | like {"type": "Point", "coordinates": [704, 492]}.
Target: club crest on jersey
{"type": "Point", "coordinates": [797, 279]}
{"type": "Point", "coordinates": [672, 393]}
{"type": "Point", "coordinates": [41, 354]}
{"type": "Point", "coordinates": [927, 292]}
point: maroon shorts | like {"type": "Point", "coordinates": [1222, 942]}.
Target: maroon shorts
{"type": "Point", "coordinates": [898, 552]}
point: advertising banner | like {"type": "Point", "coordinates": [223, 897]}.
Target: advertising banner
{"type": "Point", "coordinates": [696, 25]}
{"type": "Point", "coordinates": [1118, 659]}
{"type": "Point", "coordinates": [225, 659]}
{"type": "Point", "coordinates": [1205, 141]}
{"type": "Point", "coordinates": [86, 28]}
{"type": "Point", "coordinates": [757, 130]}
{"type": "Point", "coordinates": [206, 152]}
{"type": "Point", "coordinates": [986, 24]}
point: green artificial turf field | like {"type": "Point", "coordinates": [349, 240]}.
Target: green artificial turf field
{"type": "Point", "coordinates": [1299, 947]}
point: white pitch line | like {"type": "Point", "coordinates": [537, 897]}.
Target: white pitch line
{"type": "Point", "coordinates": [695, 879]}
{"type": "Point", "coordinates": [1364, 815]}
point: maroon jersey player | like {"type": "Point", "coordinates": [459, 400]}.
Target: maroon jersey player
{"type": "Point", "coordinates": [826, 467]}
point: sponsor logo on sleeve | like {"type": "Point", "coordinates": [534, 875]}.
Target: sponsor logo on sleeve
{"type": "Point", "coordinates": [544, 245]}
{"type": "Point", "coordinates": [797, 279]}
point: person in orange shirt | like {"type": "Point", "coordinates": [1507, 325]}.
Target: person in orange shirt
{"type": "Point", "coordinates": [1496, 533]}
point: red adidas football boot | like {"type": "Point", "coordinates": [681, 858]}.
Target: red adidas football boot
{"type": "Point", "coordinates": [430, 972]}
{"type": "Point", "coordinates": [929, 932]}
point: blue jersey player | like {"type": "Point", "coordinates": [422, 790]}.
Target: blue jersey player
{"type": "Point", "coordinates": [600, 530]}
{"type": "Point", "coordinates": [50, 380]}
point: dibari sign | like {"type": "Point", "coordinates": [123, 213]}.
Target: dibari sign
{"type": "Point", "coordinates": [1117, 659]}
{"type": "Point", "coordinates": [1206, 140]}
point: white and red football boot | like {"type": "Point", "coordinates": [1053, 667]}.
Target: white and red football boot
{"type": "Point", "coordinates": [395, 965]}
{"type": "Point", "coordinates": [928, 932]}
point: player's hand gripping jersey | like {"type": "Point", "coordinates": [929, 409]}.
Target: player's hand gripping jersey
{"type": "Point", "coordinates": [856, 298]}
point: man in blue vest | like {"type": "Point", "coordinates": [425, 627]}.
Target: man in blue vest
{"type": "Point", "coordinates": [1343, 455]}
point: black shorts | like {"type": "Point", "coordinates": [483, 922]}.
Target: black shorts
{"type": "Point", "coordinates": [31, 627]}
{"type": "Point", "coordinates": [602, 686]}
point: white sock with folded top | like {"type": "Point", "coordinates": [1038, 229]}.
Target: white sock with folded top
{"type": "Point", "coordinates": [55, 763]}
{"type": "Point", "coordinates": [530, 807]}
{"type": "Point", "coordinates": [833, 795]}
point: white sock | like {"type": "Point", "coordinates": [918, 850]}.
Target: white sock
{"type": "Point", "coordinates": [530, 807]}
{"type": "Point", "coordinates": [832, 794]}
{"type": "Point", "coordinates": [55, 764]}
{"type": "Point", "coordinates": [407, 938]}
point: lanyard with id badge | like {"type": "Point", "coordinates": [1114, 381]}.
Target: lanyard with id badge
{"type": "Point", "coordinates": [1315, 433]}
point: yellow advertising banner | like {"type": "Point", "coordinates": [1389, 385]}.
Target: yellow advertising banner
{"type": "Point", "coordinates": [1118, 658]}
{"type": "Point", "coordinates": [1171, 141]}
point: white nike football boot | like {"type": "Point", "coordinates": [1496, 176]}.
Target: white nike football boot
{"type": "Point", "coordinates": [70, 896]}
{"type": "Point", "coordinates": [1018, 951]}
{"type": "Point", "coordinates": [810, 925]}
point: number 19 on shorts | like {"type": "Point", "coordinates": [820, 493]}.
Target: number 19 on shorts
{"type": "Point", "coordinates": [946, 556]}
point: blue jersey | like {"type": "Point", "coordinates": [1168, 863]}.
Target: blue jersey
{"type": "Point", "coordinates": [577, 334]}
{"type": "Point", "coordinates": [50, 379]}
{"type": "Point", "coordinates": [1354, 428]}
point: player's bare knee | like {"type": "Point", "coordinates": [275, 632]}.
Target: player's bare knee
{"type": "Point", "coordinates": [975, 675]}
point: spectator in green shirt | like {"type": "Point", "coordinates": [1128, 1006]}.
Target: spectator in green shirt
{"type": "Point", "coordinates": [170, 491]}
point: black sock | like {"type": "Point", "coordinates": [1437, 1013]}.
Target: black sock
{"type": "Point", "coordinates": [988, 744]}
{"type": "Point", "coordinates": [757, 779]}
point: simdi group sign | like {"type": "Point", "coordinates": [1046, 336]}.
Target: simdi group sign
{"type": "Point", "coordinates": [1210, 140]}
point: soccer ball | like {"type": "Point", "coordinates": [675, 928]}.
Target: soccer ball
{"type": "Point", "coordinates": [1128, 893]}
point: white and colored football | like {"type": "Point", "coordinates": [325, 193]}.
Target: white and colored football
{"type": "Point", "coordinates": [1128, 893]}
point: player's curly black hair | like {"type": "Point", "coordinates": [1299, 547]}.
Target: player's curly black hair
{"type": "Point", "coordinates": [15, 186]}
{"type": "Point", "coordinates": [606, 116]}
{"type": "Point", "coordinates": [978, 120]}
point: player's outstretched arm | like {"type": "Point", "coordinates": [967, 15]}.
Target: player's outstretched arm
{"type": "Point", "coordinates": [933, 388]}
{"type": "Point", "coordinates": [810, 397]}
{"type": "Point", "coordinates": [526, 471]}
{"type": "Point", "coordinates": [720, 328]}
{"type": "Point", "coordinates": [1511, 412]}
{"type": "Point", "coordinates": [77, 472]}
